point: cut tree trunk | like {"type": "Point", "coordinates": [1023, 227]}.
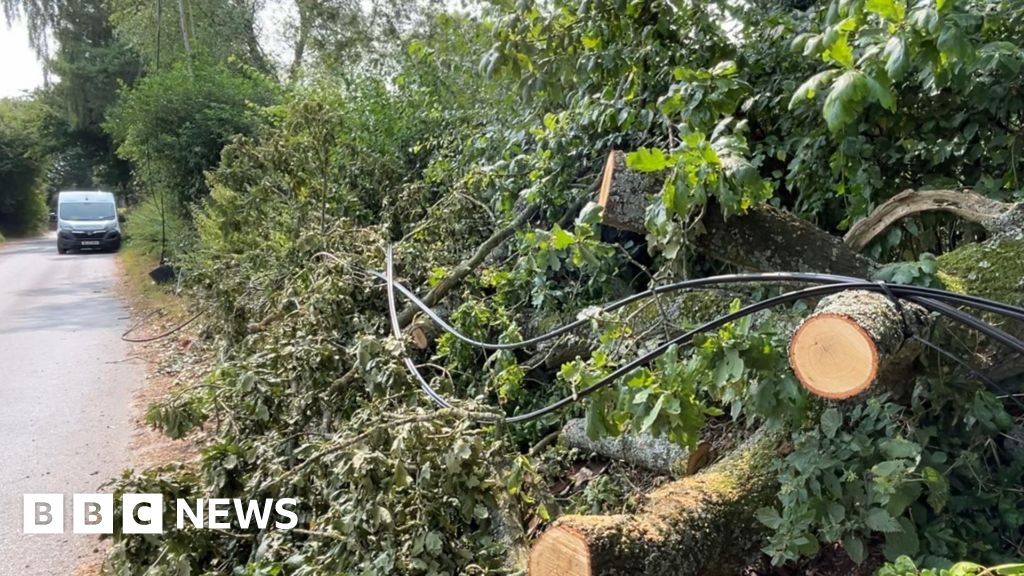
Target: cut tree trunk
{"type": "Point", "coordinates": [701, 525]}
{"type": "Point", "coordinates": [764, 238]}
{"type": "Point", "coordinates": [855, 340]}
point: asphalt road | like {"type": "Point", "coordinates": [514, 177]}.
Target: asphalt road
{"type": "Point", "coordinates": [65, 391]}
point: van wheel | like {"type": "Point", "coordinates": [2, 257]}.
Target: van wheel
{"type": "Point", "coordinates": [61, 250]}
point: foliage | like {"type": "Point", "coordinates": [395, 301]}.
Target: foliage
{"type": "Point", "coordinates": [904, 566]}
{"type": "Point", "coordinates": [431, 130]}
{"type": "Point", "coordinates": [216, 30]}
{"type": "Point", "coordinates": [173, 124]}
{"type": "Point", "coordinates": [152, 228]}
{"type": "Point", "coordinates": [23, 147]}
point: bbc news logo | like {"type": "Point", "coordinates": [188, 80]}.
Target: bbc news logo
{"type": "Point", "coordinates": [144, 513]}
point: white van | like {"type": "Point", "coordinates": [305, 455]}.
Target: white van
{"type": "Point", "coordinates": [87, 220]}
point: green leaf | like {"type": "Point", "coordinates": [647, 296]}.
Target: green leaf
{"type": "Point", "coordinates": [809, 89]}
{"type": "Point", "coordinates": [769, 517]}
{"type": "Point", "coordinates": [854, 548]}
{"type": "Point", "coordinates": [590, 214]}
{"type": "Point", "coordinates": [831, 421]}
{"type": "Point", "coordinates": [652, 416]}
{"type": "Point", "coordinates": [836, 512]}
{"type": "Point", "coordinates": [846, 100]}
{"type": "Point", "coordinates": [882, 94]}
{"type": "Point", "coordinates": [647, 160]}
{"type": "Point", "coordinates": [954, 43]}
{"type": "Point", "coordinates": [879, 520]}
{"type": "Point", "coordinates": [902, 543]}
{"type": "Point", "coordinates": [938, 488]}
{"type": "Point", "coordinates": [887, 468]}
{"type": "Point", "coordinates": [901, 448]}
{"type": "Point", "coordinates": [888, 9]}
{"type": "Point", "coordinates": [730, 368]}
{"type": "Point", "coordinates": [895, 55]}
{"type": "Point", "coordinates": [840, 52]}
{"type": "Point", "coordinates": [724, 68]}
{"type": "Point", "coordinates": [561, 239]}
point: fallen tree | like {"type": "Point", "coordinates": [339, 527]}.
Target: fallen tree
{"type": "Point", "coordinates": [703, 524]}
{"type": "Point", "coordinates": [853, 341]}
{"type": "Point", "coordinates": [764, 238]}
{"type": "Point", "coordinates": [640, 449]}
{"type": "Point", "coordinates": [768, 239]}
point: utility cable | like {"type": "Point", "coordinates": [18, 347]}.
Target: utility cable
{"type": "Point", "coordinates": [911, 293]}
{"type": "Point", "coordinates": [928, 298]}
{"type": "Point", "coordinates": [124, 335]}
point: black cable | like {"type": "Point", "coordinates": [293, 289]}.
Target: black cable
{"type": "Point", "coordinates": [124, 335]}
{"type": "Point", "coordinates": [831, 285]}
{"type": "Point", "coordinates": [912, 293]}
{"type": "Point", "coordinates": [397, 331]}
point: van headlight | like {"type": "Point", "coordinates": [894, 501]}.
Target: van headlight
{"type": "Point", "coordinates": [111, 226]}
{"type": "Point", "coordinates": [64, 226]}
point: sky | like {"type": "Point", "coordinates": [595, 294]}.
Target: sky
{"type": "Point", "coordinates": [20, 71]}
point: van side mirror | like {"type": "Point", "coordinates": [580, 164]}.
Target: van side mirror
{"type": "Point", "coordinates": [121, 218]}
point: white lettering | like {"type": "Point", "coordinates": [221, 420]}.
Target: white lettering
{"type": "Point", "coordinates": [213, 514]}
{"type": "Point", "coordinates": [253, 510]}
{"type": "Point", "coordinates": [196, 517]}
{"type": "Point", "coordinates": [282, 509]}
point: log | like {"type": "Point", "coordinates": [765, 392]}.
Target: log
{"type": "Point", "coordinates": [992, 269]}
{"type": "Point", "coordinates": [423, 331]}
{"type": "Point", "coordinates": [639, 449]}
{"type": "Point", "coordinates": [855, 340]}
{"type": "Point", "coordinates": [764, 238]}
{"type": "Point", "coordinates": [701, 525]}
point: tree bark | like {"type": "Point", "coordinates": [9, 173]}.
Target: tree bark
{"type": "Point", "coordinates": [701, 525]}
{"type": "Point", "coordinates": [638, 449]}
{"type": "Point", "coordinates": [764, 238]}
{"type": "Point", "coordinates": [298, 54]}
{"type": "Point", "coordinates": [992, 269]}
{"type": "Point", "coordinates": [855, 340]}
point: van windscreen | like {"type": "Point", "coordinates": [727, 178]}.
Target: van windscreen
{"type": "Point", "coordinates": [87, 211]}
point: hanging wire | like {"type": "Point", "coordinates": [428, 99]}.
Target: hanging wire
{"type": "Point", "coordinates": [931, 299]}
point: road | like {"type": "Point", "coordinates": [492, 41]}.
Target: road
{"type": "Point", "coordinates": [65, 393]}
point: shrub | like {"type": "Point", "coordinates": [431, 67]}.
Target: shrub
{"type": "Point", "coordinates": [173, 124]}
{"type": "Point", "coordinates": [22, 165]}
{"type": "Point", "coordinates": [143, 227]}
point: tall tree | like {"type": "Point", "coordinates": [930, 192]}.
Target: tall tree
{"type": "Point", "coordinates": [215, 29]}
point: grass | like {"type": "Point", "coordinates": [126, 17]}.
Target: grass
{"type": "Point", "coordinates": [137, 263]}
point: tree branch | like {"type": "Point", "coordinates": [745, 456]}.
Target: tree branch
{"type": "Point", "coordinates": [966, 204]}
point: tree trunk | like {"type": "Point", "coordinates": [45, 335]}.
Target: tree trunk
{"type": "Point", "coordinates": [700, 525]}
{"type": "Point", "coordinates": [184, 34]}
{"type": "Point", "coordinates": [295, 68]}
{"type": "Point", "coordinates": [643, 450]}
{"type": "Point", "coordinates": [993, 269]}
{"type": "Point", "coordinates": [854, 340]}
{"type": "Point", "coordinates": [765, 238]}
